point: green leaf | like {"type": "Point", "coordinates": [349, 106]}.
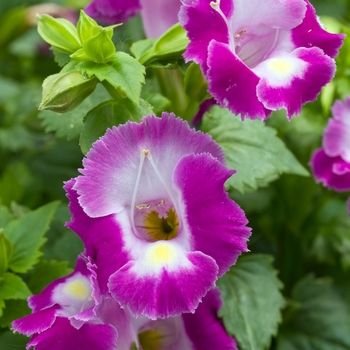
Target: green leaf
{"type": "Point", "coordinates": [323, 320]}
{"type": "Point", "coordinates": [252, 301]}
{"type": "Point", "coordinates": [27, 236]}
{"type": "Point", "coordinates": [14, 309]}
{"type": "Point", "coordinates": [13, 287]}
{"type": "Point", "coordinates": [11, 341]}
{"type": "Point", "coordinates": [59, 33]}
{"type": "Point", "coordinates": [61, 58]}
{"type": "Point", "coordinates": [45, 272]}
{"type": "Point", "coordinates": [251, 148]}
{"type": "Point", "coordinates": [123, 73]}
{"type": "Point", "coordinates": [6, 250]}
{"type": "Point", "coordinates": [70, 125]}
{"type": "Point", "coordinates": [108, 114]}
{"type": "Point", "coordinates": [195, 84]}
{"type": "Point", "coordinates": [5, 216]}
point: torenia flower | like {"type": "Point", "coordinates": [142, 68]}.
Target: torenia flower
{"type": "Point", "coordinates": [70, 313]}
{"type": "Point", "coordinates": [260, 55]}
{"type": "Point", "coordinates": [157, 15]}
{"type": "Point", "coordinates": [153, 213]}
{"type": "Point", "coordinates": [331, 163]}
{"type": "Point", "coordinates": [202, 330]}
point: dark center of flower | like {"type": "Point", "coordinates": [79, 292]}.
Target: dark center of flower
{"type": "Point", "coordinates": [150, 340]}
{"type": "Point", "coordinates": [160, 228]}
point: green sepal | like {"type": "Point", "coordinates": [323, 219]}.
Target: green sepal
{"type": "Point", "coordinates": [108, 114]}
{"type": "Point", "coordinates": [63, 92]}
{"type": "Point", "coordinates": [59, 32]}
{"type": "Point", "coordinates": [171, 45]}
{"type": "Point", "coordinates": [196, 85]}
{"type": "Point", "coordinates": [86, 27]}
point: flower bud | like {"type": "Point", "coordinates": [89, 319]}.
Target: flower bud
{"type": "Point", "coordinates": [63, 92]}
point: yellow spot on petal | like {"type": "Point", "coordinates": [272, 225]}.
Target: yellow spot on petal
{"type": "Point", "coordinates": [150, 340]}
{"type": "Point", "coordinates": [161, 254]}
{"type": "Point", "coordinates": [77, 289]}
{"type": "Point", "coordinates": [281, 66]}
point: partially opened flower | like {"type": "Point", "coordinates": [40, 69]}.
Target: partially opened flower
{"type": "Point", "coordinates": [202, 330]}
{"type": "Point", "coordinates": [331, 163]}
{"type": "Point", "coordinates": [154, 214]}
{"type": "Point", "coordinates": [157, 15]}
{"type": "Point", "coordinates": [70, 313]}
{"type": "Point", "coordinates": [260, 55]}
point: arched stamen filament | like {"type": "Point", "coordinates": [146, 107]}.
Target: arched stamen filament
{"type": "Point", "coordinates": [149, 156]}
{"type": "Point", "coordinates": [144, 153]}
{"type": "Point", "coordinates": [215, 5]}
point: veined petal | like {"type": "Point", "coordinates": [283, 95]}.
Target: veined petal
{"type": "Point", "coordinates": [63, 336]}
{"type": "Point", "coordinates": [205, 328]}
{"type": "Point", "coordinates": [217, 226]}
{"type": "Point", "coordinates": [177, 287]}
{"type": "Point", "coordinates": [112, 11]}
{"type": "Point", "coordinates": [332, 172]}
{"type": "Point", "coordinates": [310, 33]}
{"type": "Point", "coordinates": [233, 84]}
{"type": "Point", "coordinates": [112, 166]}
{"type": "Point", "coordinates": [336, 138]}
{"type": "Point", "coordinates": [290, 81]}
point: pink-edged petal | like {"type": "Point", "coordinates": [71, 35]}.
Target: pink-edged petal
{"type": "Point", "coordinates": [63, 336]}
{"type": "Point", "coordinates": [332, 172]}
{"type": "Point", "coordinates": [178, 287]}
{"type": "Point", "coordinates": [45, 298]}
{"type": "Point", "coordinates": [111, 167]}
{"type": "Point", "coordinates": [205, 328]}
{"type": "Point", "coordinates": [292, 80]}
{"type": "Point", "coordinates": [101, 236]}
{"type": "Point", "coordinates": [166, 12]}
{"type": "Point", "coordinates": [203, 24]}
{"type": "Point", "coordinates": [217, 224]}
{"type": "Point", "coordinates": [37, 322]}
{"type": "Point", "coordinates": [336, 138]}
{"type": "Point", "coordinates": [310, 33]}
{"type": "Point", "coordinates": [233, 84]}
{"type": "Point", "coordinates": [112, 11]}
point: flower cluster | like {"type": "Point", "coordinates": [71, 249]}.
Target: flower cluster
{"type": "Point", "coordinates": [261, 56]}
{"type": "Point", "coordinates": [159, 229]}
{"type": "Point", "coordinates": [331, 163]}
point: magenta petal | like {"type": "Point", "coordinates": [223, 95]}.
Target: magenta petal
{"type": "Point", "coordinates": [319, 71]}
{"type": "Point", "coordinates": [203, 24]}
{"type": "Point", "coordinates": [325, 171]}
{"type": "Point", "coordinates": [165, 295]}
{"type": "Point", "coordinates": [112, 11]}
{"type": "Point", "coordinates": [101, 236]}
{"type": "Point", "coordinates": [310, 33]}
{"type": "Point", "coordinates": [233, 84]}
{"type": "Point", "coordinates": [62, 336]}
{"type": "Point", "coordinates": [336, 138]}
{"type": "Point", "coordinates": [205, 328]}
{"type": "Point", "coordinates": [37, 322]}
{"type": "Point", "coordinates": [218, 226]}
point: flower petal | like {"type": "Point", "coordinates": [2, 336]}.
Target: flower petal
{"type": "Point", "coordinates": [177, 287]}
{"type": "Point", "coordinates": [233, 84]}
{"type": "Point", "coordinates": [290, 81]}
{"type": "Point", "coordinates": [205, 328]}
{"type": "Point", "coordinates": [310, 33]}
{"type": "Point", "coordinates": [62, 336]}
{"type": "Point", "coordinates": [217, 224]}
{"type": "Point", "coordinates": [111, 167]}
{"type": "Point", "coordinates": [332, 172]}
{"type": "Point", "coordinates": [336, 138]}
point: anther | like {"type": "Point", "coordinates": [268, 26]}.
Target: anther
{"type": "Point", "coordinates": [143, 206]}
{"type": "Point", "coordinates": [238, 35]}
{"type": "Point", "coordinates": [146, 152]}
{"type": "Point", "coordinates": [215, 4]}
{"type": "Point", "coordinates": [162, 202]}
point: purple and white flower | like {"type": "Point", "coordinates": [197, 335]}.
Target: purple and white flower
{"type": "Point", "coordinates": [331, 162]}
{"type": "Point", "coordinates": [157, 15]}
{"type": "Point", "coordinates": [260, 56]}
{"type": "Point", "coordinates": [202, 330]}
{"type": "Point", "coordinates": [152, 210]}
{"type": "Point", "coordinates": [71, 313]}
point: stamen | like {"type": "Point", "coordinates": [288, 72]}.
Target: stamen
{"type": "Point", "coordinates": [142, 206]}
{"type": "Point", "coordinates": [241, 32]}
{"type": "Point", "coordinates": [162, 202]}
{"type": "Point", "coordinates": [144, 153]}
